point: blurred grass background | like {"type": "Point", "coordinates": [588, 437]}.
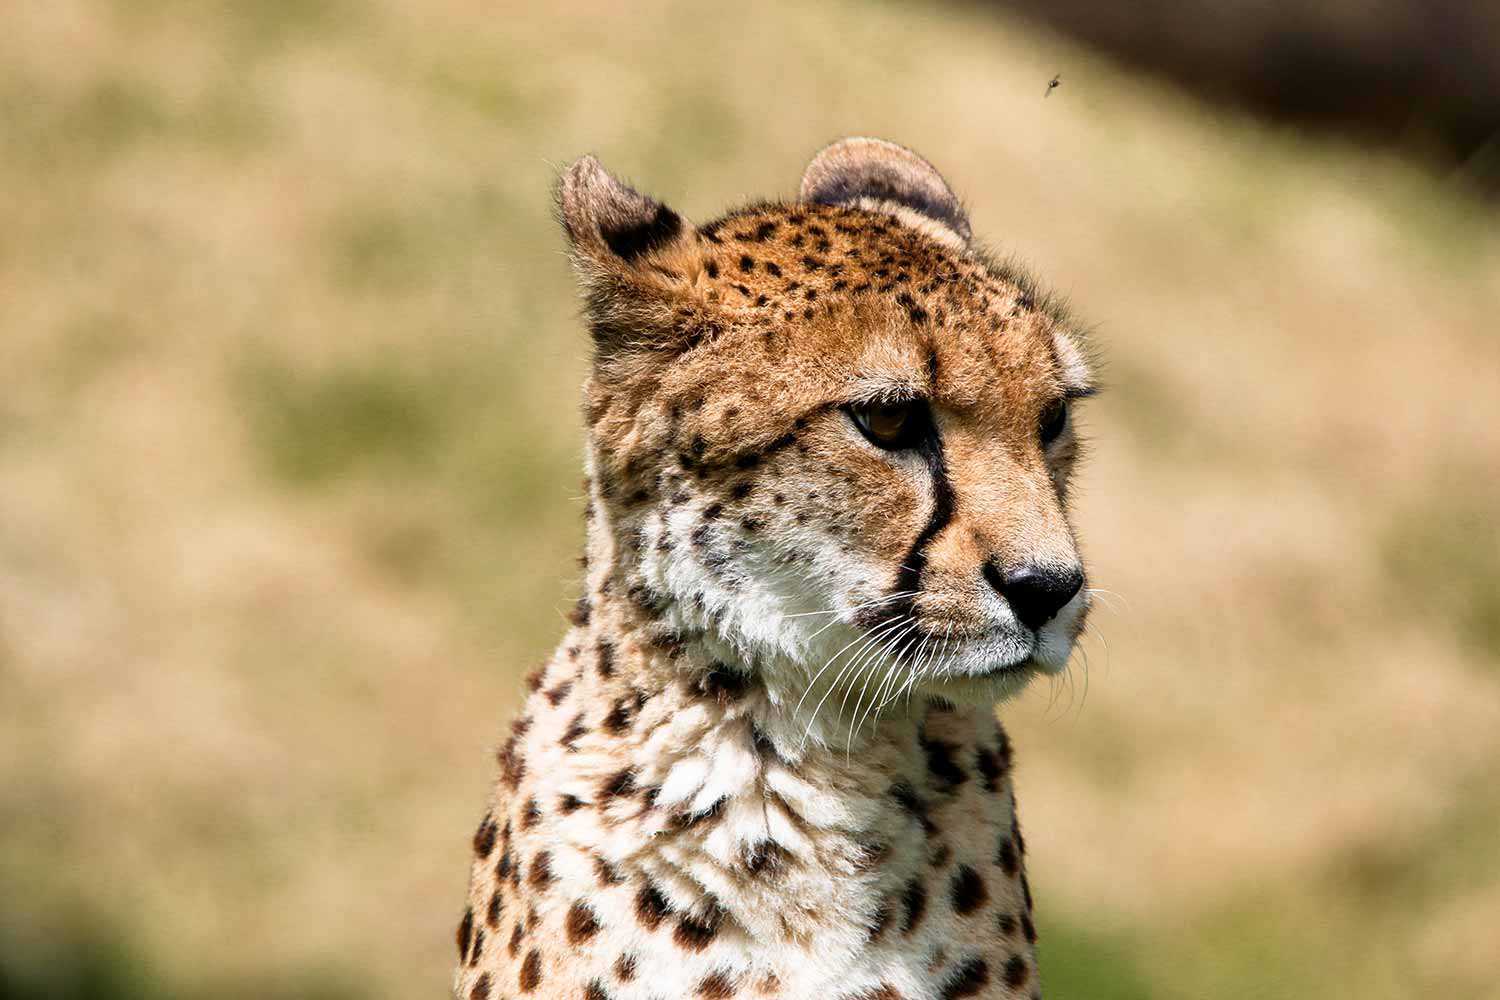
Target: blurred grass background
{"type": "Point", "coordinates": [289, 480]}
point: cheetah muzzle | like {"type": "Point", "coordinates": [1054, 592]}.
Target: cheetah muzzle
{"type": "Point", "coordinates": [828, 459]}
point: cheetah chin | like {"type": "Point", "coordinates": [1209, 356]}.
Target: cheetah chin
{"type": "Point", "coordinates": [829, 450]}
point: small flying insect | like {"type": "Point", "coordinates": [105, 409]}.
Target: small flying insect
{"type": "Point", "coordinates": [1053, 84]}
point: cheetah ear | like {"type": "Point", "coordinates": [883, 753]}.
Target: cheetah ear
{"type": "Point", "coordinates": [609, 222]}
{"type": "Point", "coordinates": [631, 254]}
{"type": "Point", "coordinates": [880, 175]}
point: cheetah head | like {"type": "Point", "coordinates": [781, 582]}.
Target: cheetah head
{"type": "Point", "coordinates": [831, 436]}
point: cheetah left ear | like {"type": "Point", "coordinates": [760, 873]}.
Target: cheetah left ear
{"type": "Point", "coordinates": [880, 175]}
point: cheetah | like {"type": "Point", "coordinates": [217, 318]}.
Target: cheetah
{"type": "Point", "coordinates": [829, 446]}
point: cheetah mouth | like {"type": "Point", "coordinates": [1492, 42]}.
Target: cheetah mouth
{"type": "Point", "coordinates": [1019, 667]}
{"type": "Point", "coordinates": [998, 654]}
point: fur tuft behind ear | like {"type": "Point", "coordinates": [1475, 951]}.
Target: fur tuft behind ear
{"type": "Point", "coordinates": [873, 171]}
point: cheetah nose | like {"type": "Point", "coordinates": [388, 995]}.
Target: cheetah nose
{"type": "Point", "coordinates": [1035, 593]}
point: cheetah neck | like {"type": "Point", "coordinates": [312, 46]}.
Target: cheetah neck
{"type": "Point", "coordinates": [647, 765]}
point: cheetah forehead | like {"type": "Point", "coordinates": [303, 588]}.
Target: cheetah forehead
{"type": "Point", "coordinates": [857, 301]}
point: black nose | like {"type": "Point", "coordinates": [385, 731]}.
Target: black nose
{"type": "Point", "coordinates": [1035, 593]}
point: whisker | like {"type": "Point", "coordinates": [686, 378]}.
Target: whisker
{"type": "Point", "coordinates": [873, 703]}
{"type": "Point", "coordinates": [863, 640]}
{"type": "Point", "coordinates": [1105, 596]}
{"type": "Point", "coordinates": [886, 650]}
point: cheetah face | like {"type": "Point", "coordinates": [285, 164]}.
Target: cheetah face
{"type": "Point", "coordinates": [831, 436]}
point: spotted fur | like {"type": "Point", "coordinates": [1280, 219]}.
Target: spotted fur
{"type": "Point", "coordinates": [763, 761]}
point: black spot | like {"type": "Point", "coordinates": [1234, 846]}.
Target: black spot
{"type": "Point", "coordinates": [619, 784]}
{"type": "Point", "coordinates": [914, 899]}
{"type": "Point", "coordinates": [630, 242]}
{"type": "Point", "coordinates": [481, 989]}
{"type": "Point", "coordinates": [605, 659]}
{"type": "Point", "coordinates": [581, 608]}
{"type": "Point", "coordinates": [908, 799]}
{"type": "Point", "coordinates": [531, 972]}
{"type": "Point", "coordinates": [607, 873]}
{"type": "Point", "coordinates": [516, 934]}
{"type": "Point", "coordinates": [724, 684]}
{"type": "Point", "coordinates": [651, 907]}
{"type": "Point", "coordinates": [773, 269]}
{"type": "Point", "coordinates": [1006, 857]}
{"type": "Point", "coordinates": [718, 986]}
{"type": "Point", "coordinates": [695, 933]}
{"type": "Point", "coordinates": [941, 763]}
{"type": "Point", "coordinates": [576, 730]}
{"type": "Point", "coordinates": [966, 980]}
{"type": "Point", "coordinates": [765, 856]}
{"type": "Point", "coordinates": [541, 870]}
{"type": "Point", "coordinates": [1016, 972]}
{"type": "Point", "coordinates": [968, 891]}
{"type": "Point", "coordinates": [580, 924]}
{"type": "Point", "coordinates": [712, 269]}
{"type": "Point", "coordinates": [915, 312]}
{"type": "Point", "coordinates": [568, 803]}
{"type": "Point", "coordinates": [484, 838]}
{"type": "Point", "coordinates": [747, 263]}
{"type": "Point", "coordinates": [618, 719]}
{"type": "Point", "coordinates": [492, 914]}
{"type": "Point", "coordinates": [465, 933]}
{"type": "Point", "coordinates": [990, 768]}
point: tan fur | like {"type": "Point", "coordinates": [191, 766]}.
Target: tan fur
{"type": "Point", "coordinates": [669, 819]}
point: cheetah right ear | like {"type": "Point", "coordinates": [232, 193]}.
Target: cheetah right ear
{"type": "Point", "coordinates": [630, 254]}
{"type": "Point", "coordinates": [882, 176]}
{"type": "Point", "coordinates": [606, 218]}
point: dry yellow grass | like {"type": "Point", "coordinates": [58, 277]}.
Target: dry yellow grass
{"type": "Point", "coordinates": [288, 358]}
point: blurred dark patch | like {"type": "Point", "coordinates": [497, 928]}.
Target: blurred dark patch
{"type": "Point", "coordinates": [251, 25]}
{"type": "Point", "coordinates": [1443, 558]}
{"type": "Point", "coordinates": [112, 115]}
{"type": "Point", "coordinates": [379, 250]}
{"type": "Point", "coordinates": [1421, 76]}
{"type": "Point", "coordinates": [1087, 965]}
{"type": "Point", "coordinates": [383, 249]}
{"type": "Point", "coordinates": [88, 962]}
{"type": "Point", "coordinates": [312, 429]}
{"type": "Point", "coordinates": [1407, 868]}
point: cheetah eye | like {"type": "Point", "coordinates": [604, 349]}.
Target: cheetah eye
{"type": "Point", "coordinates": [892, 426]}
{"type": "Point", "coordinates": [1053, 422]}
